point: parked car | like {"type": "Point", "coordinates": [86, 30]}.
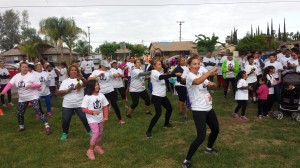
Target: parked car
{"type": "Point", "coordinates": [13, 69]}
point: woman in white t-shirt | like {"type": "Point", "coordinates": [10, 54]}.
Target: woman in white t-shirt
{"type": "Point", "coordinates": [201, 106]}
{"type": "Point", "coordinates": [44, 91]}
{"type": "Point", "coordinates": [94, 105]}
{"type": "Point", "coordinates": [241, 95]}
{"type": "Point", "coordinates": [63, 72]}
{"type": "Point", "coordinates": [72, 91]}
{"type": "Point", "coordinates": [268, 73]}
{"type": "Point", "coordinates": [137, 88]}
{"type": "Point", "coordinates": [104, 77]}
{"type": "Point", "coordinates": [251, 71]}
{"type": "Point", "coordinates": [159, 96]}
{"type": "Point", "coordinates": [27, 85]}
{"type": "Point", "coordinates": [4, 79]}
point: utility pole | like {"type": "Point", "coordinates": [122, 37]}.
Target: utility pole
{"type": "Point", "coordinates": [89, 39]}
{"type": "Point", "coordinates": [180, 23]}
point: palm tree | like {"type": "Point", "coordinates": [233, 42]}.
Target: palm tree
{"type": "Point", "coordinates": [82, 47]}
{"type": "Point", "coordinates": [72, 33]}
{"type": "Point", "coordinates": [31, 47]}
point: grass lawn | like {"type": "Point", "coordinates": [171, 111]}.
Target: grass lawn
{"type": "Point", "coordinates": [254, 143]}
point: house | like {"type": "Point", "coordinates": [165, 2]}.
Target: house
{"type": "Point", "coordinates": [168, 49]}
{"type": "Point", "coordinates": [52, 53]}
{"type": "Point", "coordinates": [122, 54]}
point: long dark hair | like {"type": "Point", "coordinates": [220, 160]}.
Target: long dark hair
{"type": "Point", "coordinates": [90, 87]}
{"type": "Point", "coordinates": [238, 77]}
{"type": "Point", "coordinates": [267, 70]}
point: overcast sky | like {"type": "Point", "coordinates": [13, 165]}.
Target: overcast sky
{"type": "Point", "coordinates": [155, 20]}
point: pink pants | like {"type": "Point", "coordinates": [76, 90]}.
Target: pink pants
{"type": "Point", "coordinates": [97, 129]}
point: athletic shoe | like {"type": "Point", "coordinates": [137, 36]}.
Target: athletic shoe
{"type": "Point", "coordinates": [121, 121]}
{"type": "Point", "coordinates": [4, 105]}
{"type": "Point", "coordinates": [64, 137]}
{"type": "Point", "coordinates": [20, 129]}
{"type": "Point", "coordinates": [211, 151]}
{"type": "Point", "coordinates": [186, 164]}
{"type": "Point", "coordinates": [11, 104]}
{"type": "Point", "coordinates": [168, 126]}
{"type": "Point", "coordinates": [49, 114]}
{"type": "Point", "coordinates": [90, 154]}
{"type": "Point", "coordinates": [128, 115]}
{"type": "Point", "coordinates": [90, 133]}
{"type": "Point", "coordinates": [37, 116]}
{"type": "Point", "coordinates": [260, 116]}
{"type": "Point", "coordinates": [243, 118]}
{"type": "Point", "coordinates": [148, 113]}
{"type": "Point", "coordinates": [235, 115]}
{"type": "Point", "coordinates": [48, 130]}
{"type": "Point", "coordinates": [149, 134]}
{"type": "Point", "coordinates": [99, 150]}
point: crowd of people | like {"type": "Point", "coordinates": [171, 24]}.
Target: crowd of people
{"type": "Point", "coordinates": [90, 92]}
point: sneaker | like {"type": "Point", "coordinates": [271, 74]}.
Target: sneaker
{"type": "Point", "coordinates": [90, 154]}
{"type": "Point", "coordinates": [243, 118]}
{"type": "Point", "coordinates": [90, 133]}
{"type": "Point", "coordinates": [11, 104]}
{"type": "Point", "coordinates": [260, 116]}
{"type": "Point", "coordinates": [49, 114]}
{"type": "Point", "coordinates": [168, 126]}
{"type": "Point", "coordinates": [20, 129]}
{"type": "Point", "coordinates": [99, 150]}
{"type": "Point", "coordinates": [64, 137]}
{"type": "Point", "coordinates": [128, 115]}
{"type": "Point", "coordinates": [212, 151]}
{"type": "Point", "coordinates": [4, 105]}
{"type": "Point", "coordinates": [48, 130]}
{"type": "Point", "coordinates": [186, 164]}
{"type": "Point", "coordinates": [37, 116]}
{"type": "Point", "coordinates": [148, 113]}
{"type": "Point", "coordinates": [267, 116]}
{"type": "Point", "coordinates": [121, 121]}
{"type": "Point", "coordinates": [149, 134]}
{"type": "Point", "coordinates": [235, 115]}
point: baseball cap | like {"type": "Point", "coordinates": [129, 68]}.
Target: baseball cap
{"type": "Point", "coordinates": [113, 61]}
{"type": "Point", "coordinates": [105, 64]}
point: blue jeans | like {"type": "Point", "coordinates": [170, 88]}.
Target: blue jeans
{"type": "Point", "coordinates": [67, 114]}
{"type": "Point", "coordinates": [47, 101]}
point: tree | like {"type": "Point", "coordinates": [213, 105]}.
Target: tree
{"type": "Point", "coordinates": [260, 42]}
{"type": "Point", "coordinates": [205, 44]}
{"type": "Point", "coordinates": [138, 50]}
{"type": "Point", "coordinates": [82, 47]}
{"type": "Point", "coordinates": [279, 34]}
{"type": "Point", "coordinates": [284, 38]}
{"type": "Point", "coordinates": [108, 49]}
{"type": "Point", "coordinates": [9, 30]}
{"type": "Point", "coordinates": [272, 31]}
{"type": "Point", "coordinates": [268, 30]}
{"type": "Point", "coordinates": [296, 36]}
{"type": "Point", "coordinates": [31, 42]}
{"type": "Point", "coordinates": [72, 33]}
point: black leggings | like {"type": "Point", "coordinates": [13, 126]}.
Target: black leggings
{"type": "Point", "coordinates": [270, 101]}
{"type": "Point", "coordinates": [262, 107]}
{"type": "Point", "coordinates": [181, 91]}
{"type": "Point", "coordinates": [8, 94]}
{"type": "Point", "coordinates": [226, 85]}
{"type": "Point", "coordinates": [241, 104]}
{"type": "Point", "coordinates": [200, 119]}
{"type": "Point", "coordinates": [122, 91]}
{"type": "Point", "coordinates": [67, 114]}
{"type": "Point", "coordinates": [158, 102]}
{"type": "Point", "coordinates": [135, 98]}
{"type": "Point", "coordinates": [112, 98]}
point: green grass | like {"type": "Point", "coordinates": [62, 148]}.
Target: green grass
{"type": "Point", "coordinates": [254, 143]}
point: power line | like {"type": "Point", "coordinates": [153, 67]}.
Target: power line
{"type": "Point", "coordinates": [145, 5]}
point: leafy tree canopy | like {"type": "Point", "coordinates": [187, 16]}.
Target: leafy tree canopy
{"type": "Point", "coordinates": [205, 43]}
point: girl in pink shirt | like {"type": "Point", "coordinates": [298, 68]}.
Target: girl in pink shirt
{"type": "Point", "coordinates": [262, 95]}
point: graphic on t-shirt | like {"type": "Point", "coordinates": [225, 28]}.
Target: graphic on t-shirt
{"type": "Point", "coordinates": [42, 79]}
{"type": "Point", "coordinates": [103, 77]}
{"type": "Point", "coordinates": [97, 104]}
{"type": "Point", "coordinates": [21, 84]}
{"type": "Point", "coordinates": [72, 85]}
{"type": "Point", "coordinates": [230, 66]}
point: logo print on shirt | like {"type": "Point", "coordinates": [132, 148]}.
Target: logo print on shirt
{"type": "Point", "coordinates": [42, 79]}
{"type": "Point", "coordinates": [230, 65]}
{"type": "Point", "coordinates": [21, 84]}
{"type": "Point", "coordinates": [72, 85]}
{"type": "Point", "coordinates": [97, 104]}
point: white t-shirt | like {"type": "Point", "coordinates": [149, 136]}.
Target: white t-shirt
{"type": "Point", "coordinates": [74, 98]}
{"type": "Point", "coordinates": [209, 60]}
{"type": "Point", "coordinates": [258, 68]}
{"type": "Point", "coordinates": [223, 59]}
{"type": "Point", "coordinates": [64, 74]}
{"type": "Point", "coordinates": [230, 64]}
{"type": "Point", "coordinates": [277, 65]}
{"type": "Point", "coordinates": [93, 102]}
{"type": "Point", "coordinates": [20, 81]}
{"type": "Point", "coordinates": [45, 81]}
{"type": "Point", "coordinates": [273, 82]}
{"type": "Point", "coordinates": [159, 86]}
{"type": "Point", "coordinates": [298, 69]}
{"type": "Point", "coordinates": [199, 96]}
{"type": "Point", "coordinates": [241, 94]}
{"type": "Point", "coordinates": [252, 77]}
{"type": "Point", "coordinates": [4, 72]}
{"type": "Point", "coordinates": [104, 81]}
{"type": "Point", "coordinates": [51, 76]}
{"type": "Point", "coordinates": [219, 72]}
{"type": "Point", "coordinates": [284, 60]}
{"type": "Point", "coordinates": [137, 83]}
{"type": "Point", "coordinates": [87, 66]}
{"type": "Point", "coordinates": [279, 56]}
{"type": "Point", "coordinates": [130, 66]}
{"type": "Point", "coordinates": [292, 62]}
{"type": "Point", "coordinates": [117, 82]}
